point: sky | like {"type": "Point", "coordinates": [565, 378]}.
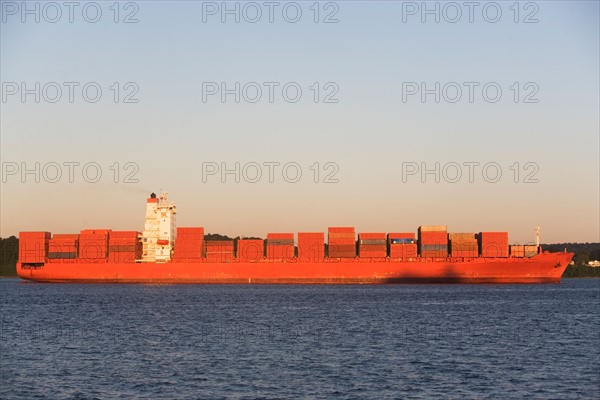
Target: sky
{"type": "Point", "coordinates": [261, 117]}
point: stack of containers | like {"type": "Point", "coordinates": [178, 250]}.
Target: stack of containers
{"type": "Point", "coordinates": [189, 244]}
{"type": "Point", "coordinates": [372, 245]}
{"type": "Point", "coordinates": [280, 246]}
{"type": "Point", "coordinates": [493, 244]}
{"type": "Point", "coordinates": [463, 245]}
{"type": "Point", "coordinates": [63, 246]}
{"type": "Point", "coordinates": [433, 241]}
{"type": "Point", "coordinates": [124, 246]}
{"type": "Point", "coordinates": [342, 242]}
{"type": "Point", "coordinates": [523, 251]}
{"type": "Point", "coordinates": [219, 250]}
{"type": "Point", "coordinates": [402, 245]}
{"type": "Point", "coordinates": [33, 247]}
{"type": "Point", "coordinates": [311, 246]}
{"type": "Point", "coordinates": [250, 249]}
{"type": "Point", "coordinates": [93, 244]}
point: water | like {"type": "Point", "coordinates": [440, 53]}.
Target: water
{"type": "Point", "coordinates": [213, 341]}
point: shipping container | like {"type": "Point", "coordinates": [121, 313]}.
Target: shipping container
{"type": "Point", "coordinates": [433, 228]}
{"type": "Point", "coordinates": [63, 255]}
{"type": "Point", "coordinates": [100, 232]}
{"type": "Point", "coordinates": [124, 235]}
{"type": "Point", "coordinates": [342, 250]}
{"type": "Point", "coordinates": [190, 233]}
{"type": "Point", "coordinates": [434, 247]}
{"type": "Point", "coordinates": [190, 230]}
{"type": "Point", "coordinates": [524, 250]}
{"type": "Point", "coordinates": [65, 236]}
{"type": "Point", "coordinates": [35, 235]}
{"type": "Point", "coordinates": [370, 251]}
{"type": "Point", "coordinates": [273, 236]}
{"type": "Point", "coordinates": [351, 241]}
{"type": "Point", "coordinates": [55, 247]}
{"type": "Point", "coordinates": [341, 229]}
{"type": "Point", "coordinates": [464, 253]}
{"type": "Point", "coordinates": [250, 249]}
{"type": "Point", "coordinates": [433, 250]}
{"type": "Point", "coordinates": [461, 236]}
{"type": "Point", "coordinates": [283, 242]}
{"type": "Point", "coordinates": [280, 252]}
{"type": "Point", "coordinates": [311, 245]}
{"type": "Point", "coordinates": [220, 257]}
{"type": "Point", "coordinates": [403, 250]}
{"type": "Point", "coordinates": [433, 237]}
{"type": "Point", "coordinates": [493, 244]}
{"type": "Point", "coordinates": [402, 241]}
{"type": "Point", "coordinates": [464, 248]}
{"type": "Point", "coordinates": [223, 246]}
{"type": "Point", "coordinates": [381, 242]}
{"type": "Point", "coordinates": [434, 254]}
{"type": "Point", "coordinates": [93, 249]}
{"type": "Point", "coordinates": [401, 235]}
{"type": "Point", "coordinates": [372, 235]}
{"type": "Point", "coordinates": [33, 247]}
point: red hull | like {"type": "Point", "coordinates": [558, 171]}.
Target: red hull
{"type": "Point", "coordinates": [543, 268]}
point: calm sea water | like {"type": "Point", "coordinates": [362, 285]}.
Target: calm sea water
{"type": "Point", "coordinates": [393, 341]}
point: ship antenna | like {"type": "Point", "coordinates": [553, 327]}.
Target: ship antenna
{"type": "Point", "coordinates": [537, 236]}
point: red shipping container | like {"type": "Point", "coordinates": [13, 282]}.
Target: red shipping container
{"type": "Point", "coordinates": [373, 253]}
{"type": "Point", "coordinates": [190, 233]}
{"type": "Point", "coordinates": [62, 247]}
{"type": "Point", "coordinates": [33, 247]}
{"type": "Point", "coordinates": [189, 244]}
{"type": "Point", "coordinates": [194, 229]}
{"type": "Point", "coordinates": [219, 243]}
{"type": "Point", "coordinates": [342, 251]}
{"type": "Point", "coordinates": [124, 234]}
{"type": "Point", "coordinates": [92, 248]}
{"type": "Point", "coordinates": [219, 257]}
{"type": "Point", "coordinates": [371, 235]}
{"type": "Point", "coordinates": [37, 235]}
{"type": "Point", "coordinates": [123, 257]}
{"type": "Point", "coordinates": [342, 242]}
{"type": "Point", "coordinates": [433, 238]}
{"type": "Point", "coordinates": [432, 228]}
{"type": "Point", "coordinates": [280, 236]}
{"type": "Point", "coordinates": [402, 250]}
{"type": "Point", "coordinates": [401, 235]}
{"type": "Point", "coordinates": [65, 236]}
{"type": "Point", "coordinates": [250, 249]}
{"type": "Point", "coordinates": [493, 244]}
{"type": "Point", "coordinates": [311, 251]}
{"type": "Point", "coordinates": [342, 254]}
{"type": "Point", "coordinates": [341, 229]}
{"type": "Point", "coordinates": [434, 254]}
{"type": "Point", "coordinates": [280, 252]}
{"type": "Point", "coordinates": [187, 255]}
{"type": "Point", "coordinates": [465, 253]}
{"type": "Point", "coordinates": [372, 247]}
{"type": "Point", "coordinates": [341, 236]}
{"type": "Point", "coordinates": [186, 241]}
{"type": "Point", "coordinates": [95, 232]}
{"type": "Point", "coordinates": [311, 245]}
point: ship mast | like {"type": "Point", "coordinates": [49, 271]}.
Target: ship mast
{"type": "Point", "coordinates": [537, 236]}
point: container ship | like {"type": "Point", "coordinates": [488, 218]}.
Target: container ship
{"type": "Point", "coordinates": [165, 254]}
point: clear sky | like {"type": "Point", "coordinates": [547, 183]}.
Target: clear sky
{"type": "Point", "coordinates": [370, 121]}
